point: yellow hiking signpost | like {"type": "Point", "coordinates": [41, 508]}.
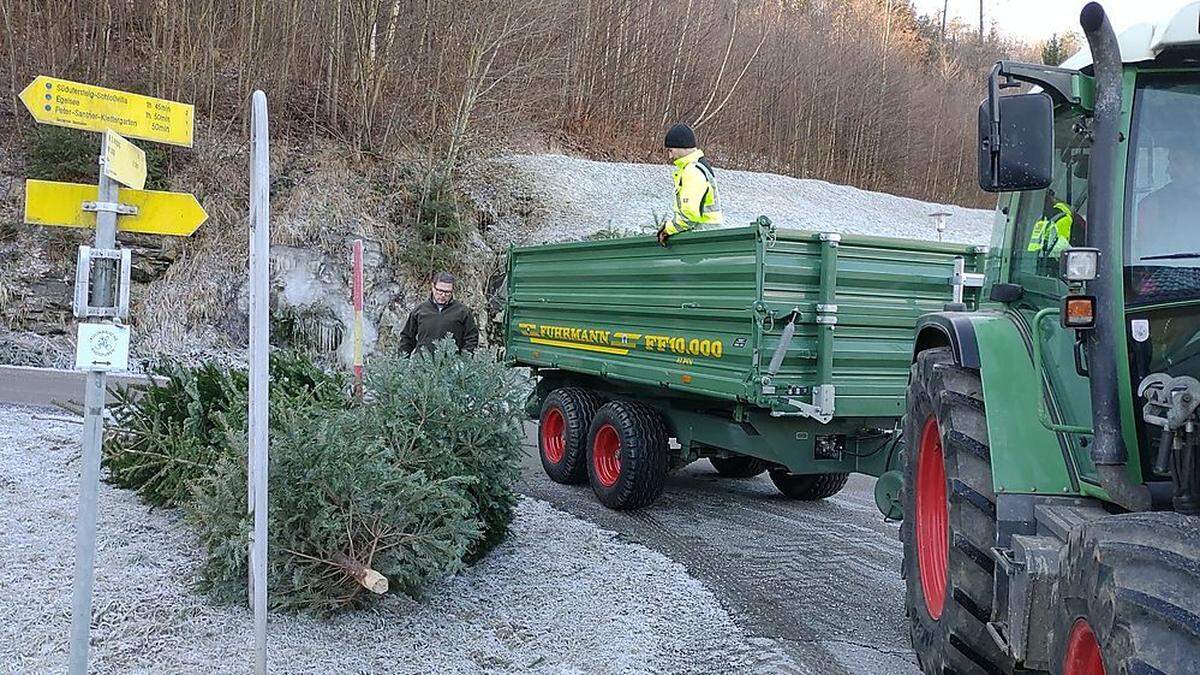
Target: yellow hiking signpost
{"type": "Point", "coordinates": [124, 162]}
{"type": "Point", "coordinates": [63, 205]}
{"type": "Point", "coordinates": [83, 106]}
{"type": "Point", "coordinates": [102, 275]}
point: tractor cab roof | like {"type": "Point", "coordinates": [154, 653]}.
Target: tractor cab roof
{"type": "Point", "coordinates": [1148, 41]}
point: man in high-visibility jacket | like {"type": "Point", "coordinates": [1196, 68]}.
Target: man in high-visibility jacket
{"type": "Point", "coordinates": [696, 201]}
{"type": "Point", "coordinates": [1052, 233]}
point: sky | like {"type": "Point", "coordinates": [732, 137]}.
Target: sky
{"type": "Point", "coordinates": [1033, 20]}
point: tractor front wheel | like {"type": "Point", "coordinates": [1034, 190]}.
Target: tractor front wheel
{"type": "Point", "coordinates": [1127, 597]}
{"type": "Point", "coordinates": [949, 522]}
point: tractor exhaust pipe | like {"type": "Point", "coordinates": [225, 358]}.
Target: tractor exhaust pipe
{"type": "Point", "coordinates": [1108, 449]}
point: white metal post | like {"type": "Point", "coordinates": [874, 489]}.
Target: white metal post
{"type": "Point", "coordinates": [93, 435]}
{"type": "Point", "coordinates": [260, 243]}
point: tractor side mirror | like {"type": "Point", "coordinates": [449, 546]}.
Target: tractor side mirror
{"type": "Point", "coordinates": [1016, 142]}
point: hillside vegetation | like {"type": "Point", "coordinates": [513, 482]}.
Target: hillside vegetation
{"type": "Point", "coordinates": [382, 110]}
{"type": "Point", "coordinates": [839, 90]}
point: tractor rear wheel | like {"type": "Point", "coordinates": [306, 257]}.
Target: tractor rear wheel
{"type": "Point", "coordinates": [1127, 597]}
{"type": "Point", "coordinates": [808, 487]}
{"type": "Point", "coordinates": [562, 433]}
{"type": "Point", "coordinates": [627, 455]}
{"type": "Point", "coordinates": [738, 467]}
{"type": "Point", "coordinates": [949, 522]}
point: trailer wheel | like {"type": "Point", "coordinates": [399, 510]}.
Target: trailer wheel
{"type": "Point", "coordinates": [738, 467]}
{"type": "Point", "coordinates": [627, 455]}
{"type": "Point", "coordinates": [562, 433]}
{"type": "Point", "coordinates": [808, 487]}
{"type": "Point", "coordinates": [949, 522]}
{"type": "Point", "coordinates": [1127, 598]}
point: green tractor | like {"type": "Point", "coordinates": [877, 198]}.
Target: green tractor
{"type": "Point", "coordinates": [1051, 475]}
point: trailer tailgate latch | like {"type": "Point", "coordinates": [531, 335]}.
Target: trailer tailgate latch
{"type": "Point", "coordinates": [821, 409]}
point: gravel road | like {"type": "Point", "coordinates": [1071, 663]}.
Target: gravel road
{"type": "Point", "coordinates": [560, 596]}
{"type": "Point", "coordinates": [815, 586]}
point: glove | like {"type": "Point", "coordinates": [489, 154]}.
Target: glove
{"type": "Point", "coordinates": [662, 237]}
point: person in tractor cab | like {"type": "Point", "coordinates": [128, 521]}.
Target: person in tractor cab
{"type": "Point", "coordinates": [1052, 233]}
{"type": "Point", "coordinates": [437, 317]}
{"type": "Point", "coordinates": [1163, 214]}
{"type": "Point", "coordinates": [696, 201]}
{"type": "Point", "coordinates": [1060, 227]}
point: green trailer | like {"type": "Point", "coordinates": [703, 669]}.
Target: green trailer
{"type": "Point", "coordinates": [758, 348]}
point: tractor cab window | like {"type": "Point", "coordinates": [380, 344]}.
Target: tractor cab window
{"type": "Point", "coordinates": [1162, 233]}
{"type": "Point", "coordinates": [1048, 221]}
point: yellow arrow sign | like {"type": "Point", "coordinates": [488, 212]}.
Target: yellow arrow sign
{"type": "Point", "coordinates": [61, 204]}
{"type": "Point", "coordinates": [124, 162]}
{"type": "Point", "coordinates": [83, 106]}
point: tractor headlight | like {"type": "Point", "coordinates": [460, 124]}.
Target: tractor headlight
{"type": "Point", "coordinates": [1079, 264]}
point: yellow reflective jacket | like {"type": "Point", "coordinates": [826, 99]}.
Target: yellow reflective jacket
{"type": "Point", "coordinates": [696, 202]}
{"type": "Point", "coordinates": [1052, 234]}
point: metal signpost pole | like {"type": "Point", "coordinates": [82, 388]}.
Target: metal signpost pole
{"type": "Point", "coordinates": [103, 275]}
{"type": "Point", "coordinates": [260, 244]}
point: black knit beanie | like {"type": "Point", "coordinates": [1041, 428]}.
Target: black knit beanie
{"type": "Point", "coordinates": [680, 136]}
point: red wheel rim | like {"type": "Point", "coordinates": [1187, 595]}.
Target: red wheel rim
{"type": "Point", "coordinates": [554, 436]}
{"type": "Point", "coordinates": [606, 455]}
{"type": "Point", "coordinates": [1083, 651]}
{"type": "Point", "coordinates": [933, 546]}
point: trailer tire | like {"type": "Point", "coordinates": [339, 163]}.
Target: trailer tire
{"type": "Point", "coordinates": [808, 487]}
{"type": "Point", "coordinates": [1127, 597]}
{"type": "Point", "coordinates": [563, 427]}
{"type": "Point", "coordinates": [738, 467]}
{"type": "Point", "coordinates": [627, 455]}
{"type": "Point", "coordinates": [949, 525]}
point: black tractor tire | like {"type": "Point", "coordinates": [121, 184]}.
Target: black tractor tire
{"type": "Point", "coordinates": [627, 455]}
{"type": "Point", "coordinates": [808, 487]}
{"type": "Point", "coordinates": [951, 533]}
{"type": "Point", "coordinates": [738, 467]}
{"type": "Point", "coordinates": [563, 427]}
{"type": "Point", "coordinates": [1133, 582]}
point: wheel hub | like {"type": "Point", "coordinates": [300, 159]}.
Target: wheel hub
{"type": "Point", "coordinates": [932, 519]}
{"type": "Point", "coordinates": [1083, 651]}
{"type": "Point", "coordinates": [554, 435]}
{"type": "Point", "coordinates": [606, 455]}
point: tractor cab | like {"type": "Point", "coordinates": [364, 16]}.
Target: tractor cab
{"type": "Point", "coordinates": [1138, 280]}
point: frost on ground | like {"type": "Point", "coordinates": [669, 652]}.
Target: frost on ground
{"type": "Point", "coordinates": [535, 199]}
{"type": "Point", "coordinates": [560, 596]}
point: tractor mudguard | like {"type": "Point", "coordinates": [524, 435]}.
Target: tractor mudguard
{"type": "Point", "coordinates": [951, 329]}
{"type": "Point", "coordinates": [1026, 457]}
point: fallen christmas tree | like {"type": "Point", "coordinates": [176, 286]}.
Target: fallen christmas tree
{"type": "Point", "coordinates": [394, 492]}
{"type": "Point", "coordinates": [165, 436]}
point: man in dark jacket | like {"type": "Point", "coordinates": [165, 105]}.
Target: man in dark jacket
{"type": "Point", "coordinates": [437, 317]}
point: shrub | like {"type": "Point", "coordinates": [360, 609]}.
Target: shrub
{"type": "Point", "coordinates": [166, 436]}
{"type": "Point", "coordinates": [58, 153]}
{"type": "Point", "coordinates": [62, 154]}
